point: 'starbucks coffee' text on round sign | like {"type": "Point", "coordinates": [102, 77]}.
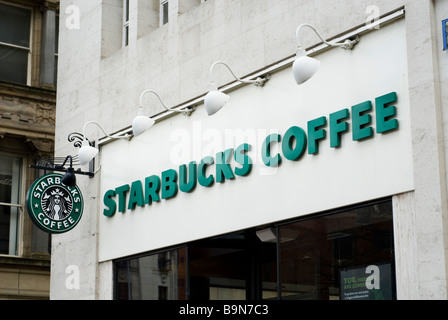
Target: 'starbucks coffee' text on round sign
{"type": "Point", "coordinates": [54, 207]}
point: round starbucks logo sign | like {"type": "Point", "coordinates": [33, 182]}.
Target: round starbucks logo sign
{"type": "Point", "coordinates": [53, 206]}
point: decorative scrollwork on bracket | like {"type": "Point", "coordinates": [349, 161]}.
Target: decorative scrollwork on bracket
{"type": "Point", "coordinates": [77, 138]}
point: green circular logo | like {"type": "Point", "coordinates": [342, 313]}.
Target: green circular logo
{"type": "Point", "coordinates": [54, 207]}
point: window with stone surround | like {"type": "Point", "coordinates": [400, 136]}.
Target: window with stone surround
{"type": "Point", "coordinates": [10, 203]}
{"type": "Point", "coordinates": [49, 46]}
{"type": "Point", "coordinates": [153, 14]}
{"type": "Point", "coordinates": [125, 23]}
{"type": "Point", "coordinates": [123, 20]}
{"type": "Point", "coordinates": [164, 12]}
{"type": "Point", "coordinates": [20, 27]}
{"type": "Point", "coordinates": [15, 43]}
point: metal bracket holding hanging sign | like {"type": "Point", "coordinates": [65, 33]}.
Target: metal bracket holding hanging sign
{"type": "Point", "coordinates": [58, 164]}
{"type": "Point", "coordinates": [69, 178]}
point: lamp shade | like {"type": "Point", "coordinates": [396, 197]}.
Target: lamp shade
{"type": "Point", "coordinates": [140, 124]}
{"type": "Point", "coordinates": [214, 101]}
{"type": "Point", "coordinates": [86, 153]}
{"type": "Point", "coordinates": [304, 68]}
{"type": "Point", "coordinates": [69, 178]}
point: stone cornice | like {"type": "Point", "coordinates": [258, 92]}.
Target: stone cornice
{"type": "Point", "coordinates": [31, 93]}
{"type": "Point", "coordinates": [52, 5]}
{"type": "Point", "coordinates": [28, 112]}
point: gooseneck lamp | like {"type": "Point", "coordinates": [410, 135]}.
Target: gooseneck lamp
{"type": "Point", "coordinates": [141, 123]}
{"type": "Point", "coordinates": [87, 153]}
{"type": "Point", "coordinates": [305, 67]}
{"type": "Point", "coordinates": [69, 179]}
{"type": "Point", "coordinates": [214, 99]}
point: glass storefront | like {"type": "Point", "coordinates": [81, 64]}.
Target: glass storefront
{"type": "Point", "coordinates": [315, 254]}
{"type": "Point", "coordinates": [342, 254]}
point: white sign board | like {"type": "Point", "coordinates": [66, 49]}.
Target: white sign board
{"type": "Point", "coordinates": [356, 171]}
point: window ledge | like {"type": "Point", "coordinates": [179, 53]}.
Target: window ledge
{"type": "Point", "coordinates": [36, 260]}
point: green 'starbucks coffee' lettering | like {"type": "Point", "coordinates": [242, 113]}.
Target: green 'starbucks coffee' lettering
{"type": "Point", "coordinates": [362, 121]}
{"type": "Point", "coordinates": [268, 159]}
{"type": "Point", "coordinates": [292, 146]}
{"type": "Point", "coordinates": [338, 125]}
{"type": "Point", "coordinates": [152, 189]}
{"type": "Point", "coordinates": [136, 195]}
{"type": "Point", "coordinates": [243, 159]}
{"type": "Point", "coordinates": [316, 132]}
{"type": "Point", "coordinates": [294, 143]}
{"type": "Point", "coordinates": [385, 113]}
{"type": "Point", "coordinates": [223, 169]}
{"type": "Point", "coordinates": [188, 183]}
{"type": "Point", "coordinates": [169, 184]}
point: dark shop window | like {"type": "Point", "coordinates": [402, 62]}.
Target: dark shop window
{"type": "Point", "coordinates": [346, 254]}
{"type": "Point", "coordinates": [329, 257]}
{"type": "Point", "coordinates": [159, 276]}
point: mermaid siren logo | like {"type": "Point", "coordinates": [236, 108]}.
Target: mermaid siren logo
{"type": "Point", "coordinates": [54, 207]}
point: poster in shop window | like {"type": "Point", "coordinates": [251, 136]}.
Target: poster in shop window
{"type": "Point", "coordinates": [372, 282]}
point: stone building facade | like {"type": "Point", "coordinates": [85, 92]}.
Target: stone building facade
{"type": "Point", "coordinates": [28, 59]}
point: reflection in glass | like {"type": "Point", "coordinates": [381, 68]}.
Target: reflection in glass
{"type": "Point", "coordinates": [14, 64]}
{"type": "Point", "coordinates": [314, 252]}
{"type": "Point", "coordinates": [156, 277]}
{"type": "Point", "coordinates": [347, 254]}
{"type": "Point", "coordinates": [238, 266]}
{"type": "Point", "coordinates": [15, 25]}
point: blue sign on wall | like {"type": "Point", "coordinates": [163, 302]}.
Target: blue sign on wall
{"type": "Point", "coordinates": [445, 34]}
